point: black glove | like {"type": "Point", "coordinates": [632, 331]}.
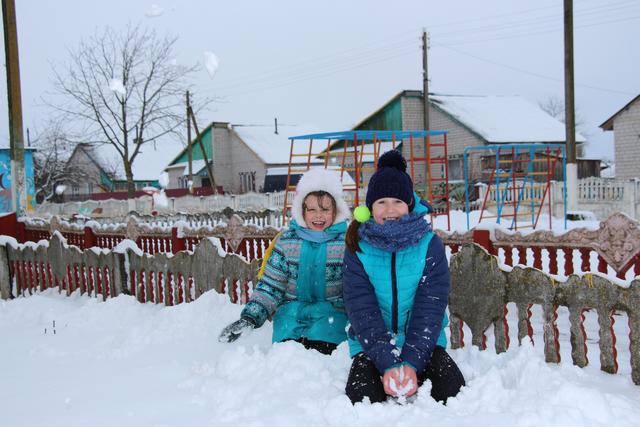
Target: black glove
{"type": "Point", "coordinates": [234, 330]}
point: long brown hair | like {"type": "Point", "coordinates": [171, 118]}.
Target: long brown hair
{"type": "Point", "coordinates": [352, 238]}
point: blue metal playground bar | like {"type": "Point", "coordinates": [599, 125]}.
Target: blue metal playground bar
{"type": "Point", "coordinates": [519, 147]}
{"type": "Point", "coordinates": [371, 134]}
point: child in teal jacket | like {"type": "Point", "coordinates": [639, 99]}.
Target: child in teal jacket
{"type": "Point", "coordinates": [396, 289]}
{"type": "Point", "coordinates": [301, 287]}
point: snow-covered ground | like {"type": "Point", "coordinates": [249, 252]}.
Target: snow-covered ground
{"type": "Point", "coordinates": [121, 363]}
{"type": "Point", "coordinates": [75, 361]}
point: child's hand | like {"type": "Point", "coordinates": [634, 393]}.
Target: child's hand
{"type": "Point", "coordinates": [233, 331]}
{"type": "Point", "coordinates": [400, 381]}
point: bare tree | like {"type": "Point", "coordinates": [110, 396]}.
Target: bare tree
{"type": "Point", "coordinates": [53, 149]}
{"type": "Point", "coordinates": [554, 106]}
{"type": "Point", "coordinates": [124, 89]}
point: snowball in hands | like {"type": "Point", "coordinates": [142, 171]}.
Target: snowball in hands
{"type": "Point", "coordinates": [233, 331]}
{"type": "Point", "coordinates": [400, 381]}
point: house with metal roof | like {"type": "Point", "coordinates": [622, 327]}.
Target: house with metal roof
{"type": "Point", "coordinates": [625, 124]}
{"type": "Point", "coordinates": [472, 121]}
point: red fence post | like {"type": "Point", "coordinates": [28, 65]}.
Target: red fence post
{"type": "Point", "coordinates": [89, 238]}
{"type": "Point", "coordinates": [21, 232]}
{"type": "Point", "coordinates": [483, 238]}
{"type": "Point", "coordinates": [9, 225]}
{"type": "Point", "coordinates": [177, 243]}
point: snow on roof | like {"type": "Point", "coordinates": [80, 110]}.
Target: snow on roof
{"type": "Point", "coordinates": [274, 148]}
{"type": "Point", "coordinates": [345, 178]}
{"type": "Point", "coordinates": [148, 164]}
{"type": "Point", "coordinates": [504, 119]}
{"type": "Point", "coordinates": [196, 166]}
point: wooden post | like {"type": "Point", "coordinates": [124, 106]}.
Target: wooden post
{"type": "Point", "coordinates": [204, 153]}
{"type": "Point", "coordinates": [5, 277]}
{"type": "Point", "coordinates": [14, 98]}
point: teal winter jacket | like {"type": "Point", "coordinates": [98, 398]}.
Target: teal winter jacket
{"type": "Point", "coordinates": [302, 286]}
{"type": "Point", "coordinates": [396, 301]}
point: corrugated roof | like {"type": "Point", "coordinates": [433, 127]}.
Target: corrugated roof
{"type": "Point", "coordinates": [148, 164]}
{"type": "Point", "coordinates": [503, 119]}
{"type": "Point", "coordinates": [274, 148]}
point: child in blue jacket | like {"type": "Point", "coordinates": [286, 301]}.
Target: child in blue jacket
{"type": "Point", "coordinates": [396, 290]}
{"type": "Point", "coordinates": [301, 287]}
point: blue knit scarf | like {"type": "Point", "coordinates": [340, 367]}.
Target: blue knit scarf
{"type": "Point", "coordinates": [394, 236]}
{"type": "Point", "coordinates": [317, 236]}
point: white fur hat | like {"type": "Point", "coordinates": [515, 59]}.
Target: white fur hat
{"type": "Point", "coordinates": [319, 179]}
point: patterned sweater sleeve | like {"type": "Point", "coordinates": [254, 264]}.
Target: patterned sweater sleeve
{"type": "Point", "coordinates": [429, 307]}
{"type": "Point", "coordinates": [270, 290]}
{"type": "Point", "coordinates": [365, 316]}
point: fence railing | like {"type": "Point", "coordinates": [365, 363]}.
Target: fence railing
{"type": "Point", "coordinates": [481, 290]}
{"type": "Point", "coordinates": [236, 235]}
{"type": "Point", "coordinates": [581, 270]}
{"type": "Point", "coordinates": [160, 278]}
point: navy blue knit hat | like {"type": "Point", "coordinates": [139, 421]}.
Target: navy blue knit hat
{"type": "Point", "coordinates": [391, 180]}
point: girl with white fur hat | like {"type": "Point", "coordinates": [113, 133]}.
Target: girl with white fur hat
{"type": "Point", "coordinates": [301, 288]}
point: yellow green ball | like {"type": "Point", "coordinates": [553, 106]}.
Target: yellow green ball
{"type": "Point", "coordinates": [362, 214]}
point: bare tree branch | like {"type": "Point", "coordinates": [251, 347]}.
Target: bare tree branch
{"type": "Point", "coordinates": [125, 90]}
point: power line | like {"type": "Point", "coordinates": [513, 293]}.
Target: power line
{"type": "Point", "coordinates": [542, 76]}
{"type": "Point", "coordinates": [359, 57]}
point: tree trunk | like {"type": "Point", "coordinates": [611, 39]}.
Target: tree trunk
{"type": "Point", "coordinates": [131, 187]}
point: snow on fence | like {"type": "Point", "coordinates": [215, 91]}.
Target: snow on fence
{"type": "Point", "coordinates": [161, 278]}
{"type": "Point", "coordinates": [242, 236]}
{"type": "Point", "coordinates": [580, 270]}
{"type": "Point", "coordinates": [188, 203]}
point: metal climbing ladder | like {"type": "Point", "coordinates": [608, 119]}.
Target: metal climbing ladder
{"type": "Point", "coordinates": [519, 187]}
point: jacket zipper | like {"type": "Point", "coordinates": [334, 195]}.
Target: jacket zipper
{"type": "Point", "coordinates": [394, 295]}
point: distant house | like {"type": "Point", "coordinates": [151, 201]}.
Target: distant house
{"type": "Point", "coordinates": [102, 171]}
{"type": "Point", "coordinates": [473, 121]}
{"type": "Point", "coordinates": [625, 125]}
{"type": "Point", "coordinates": [6, 187]}
{"type": "Point", "coordinates": [244, 158]}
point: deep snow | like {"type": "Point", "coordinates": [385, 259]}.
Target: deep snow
{"type": "Point", "coordinates": [122, 363]}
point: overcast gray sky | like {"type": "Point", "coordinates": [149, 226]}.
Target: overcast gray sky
{"type": "Point", "coordinates": [332, 62]}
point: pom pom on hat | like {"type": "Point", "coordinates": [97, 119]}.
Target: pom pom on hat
{"type": "Point", "coordinates": [392, 159]}
{"type": "Point", "coordinates": [391, 180]}
{"type": "Point", "coordinates": [362, 214]}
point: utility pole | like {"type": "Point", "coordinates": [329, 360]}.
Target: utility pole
{"type": "Point", "coordinates": [425, 78]}
{"type": "Point", "coordinates": [425, 96]}
{"type": "Point", "coordinates": [189, 153]}
{"type": "Point", "coordinates": [569, 108]}
{"type": "Point", "coordinates": [18, 193]}
{"type": "Point", "coordinates": [204, 153]}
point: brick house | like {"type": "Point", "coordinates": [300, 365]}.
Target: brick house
{"type": "Point", "coordinates": [625, 125]}
{"type": "Point", "coordinates": [244, 157]}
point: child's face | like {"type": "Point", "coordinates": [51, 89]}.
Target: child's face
{"type": "Point", "coordinates": [388, 209]}
{"type": "Point", "coordinates": [318, 212]}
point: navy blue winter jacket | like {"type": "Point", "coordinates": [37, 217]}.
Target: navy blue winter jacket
{"type": "Point", "coordinates": [407, 324]}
